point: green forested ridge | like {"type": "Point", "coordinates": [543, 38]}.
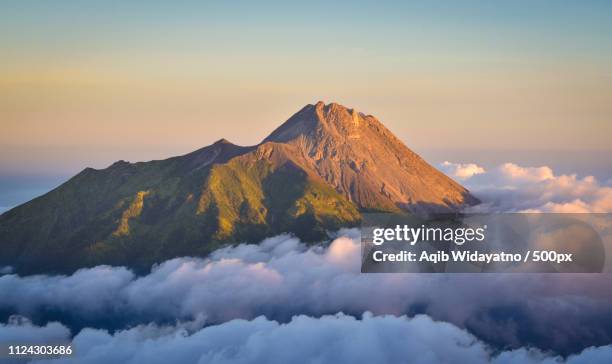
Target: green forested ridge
{"type": "Point", "coordinates": [139, 214]}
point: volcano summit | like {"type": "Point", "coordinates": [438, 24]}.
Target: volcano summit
{"type": "Point", "coordinates": [316, 172]}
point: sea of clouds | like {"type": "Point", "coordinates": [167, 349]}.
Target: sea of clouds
{"type": "Point", "coordinates": [282, 301]}
{"type": "Point", "coordinates": [328, 339]}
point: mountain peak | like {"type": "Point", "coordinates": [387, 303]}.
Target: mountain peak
{"type": "Point", "coordinates": [318, 119]}
{"type": "Point", "coordinates": [333, 108]}
{"type": "Point", "coordinates": [222, 141]}
{"type": "Point", "coordinates": [362, 159]}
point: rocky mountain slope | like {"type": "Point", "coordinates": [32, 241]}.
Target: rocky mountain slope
{"type": "Point", "coordinates": [318, 171]}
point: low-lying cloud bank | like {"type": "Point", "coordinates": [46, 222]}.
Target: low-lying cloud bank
{"type": "Point", "coordinates": [328, 339]}
{"type": "Point", "coordinates": [281, 277]}
{"type": "Point", "coordinates": [512, 188]}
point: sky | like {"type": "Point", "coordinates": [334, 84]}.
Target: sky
{"type": "Point", "coordinates": [88, 83]}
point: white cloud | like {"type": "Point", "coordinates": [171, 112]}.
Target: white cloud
{"type": "Point", "coordinates": [520, 174]}
{"type": "Point", "coordinates": [21, 330]}
{"type": "Point", "coordinates": [328, 339]}
{"type": "Point", "coordinates": [512, 188]}
{"type": "Point", "coordinates": [461, 171]}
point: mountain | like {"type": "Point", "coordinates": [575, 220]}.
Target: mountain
{"type": "Point", "coordinates": [318, 171]}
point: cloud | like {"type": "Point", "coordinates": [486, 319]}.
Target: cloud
{"type": "Point", "coordinates": [512, 188]}
{"type": "Point", "coordinates": [461, 171]}
{"type": "Point", "coordinates": [282, 277]}
{"type": "Point", "coordinates": [328, 339]}
{"type": "Point", "coordinates": [21, 330]}
{"type": "Point", "coordinates": [520, 174]}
